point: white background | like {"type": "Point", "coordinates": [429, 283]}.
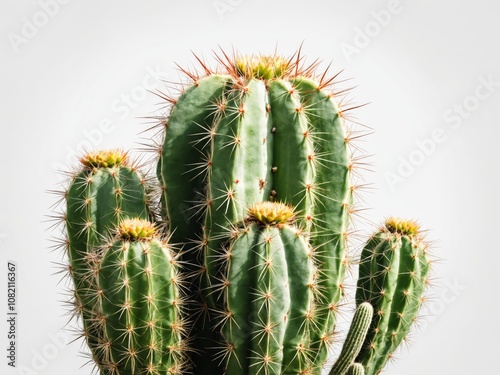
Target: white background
{"type": "Point", "coordinates": [67, 69]}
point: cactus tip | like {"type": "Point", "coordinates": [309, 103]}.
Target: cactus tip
{"type": "Point", "coordinates": [401, 226]}
{"type": "Point", "coordinates": [136, 229]}
{"type": "Point", "coordinates": [104, 158]}
{"type": "Point", "coordinates": [271, 213]}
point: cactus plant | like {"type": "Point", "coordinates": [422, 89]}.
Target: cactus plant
{"type": "Point", "coordinates": [261, 128]}
{"type": "Point", "coordinates": [392, 277]}
{"type": "Point", "coordinates": [106, 189]}
{"type": "Point", "coordinates": [136, 304]}
{"type": "Point", "coordinates": [255, 174]}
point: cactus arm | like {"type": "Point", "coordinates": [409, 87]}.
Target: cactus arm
{"type": "Point", "coordinates": [393, 281]}
{"type": "Point", "coordinates": [356, 369]}
{"type": "Point", "coordinates": [355, 338]}
{"type": "Point", "coordinates": [139, 300]}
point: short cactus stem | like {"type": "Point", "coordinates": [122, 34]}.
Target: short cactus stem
{"type": "Point", "coordinates": [355, 337]}
{"type": "Point", "coordinates": [138, 299]}
{"type": "Point", "coordinates": [392, 277]}
{"type": "Point", "coordinates": [356, 369]}
{"type": "Point", "coordinates": [267, 290]}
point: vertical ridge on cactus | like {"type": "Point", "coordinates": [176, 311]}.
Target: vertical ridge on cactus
{"type": "Point", "coordinates": [356, 369]}
{"type": "Point", "coordinates": [355, 337]}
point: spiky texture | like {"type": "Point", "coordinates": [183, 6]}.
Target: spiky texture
{"type": "Point", "coordinates": [355, 339]}
{"type": "Point", "coordinates": [103, 192]}
{"type": "Point", "coordinates": [267, 288]}
{"type": "Point", "coordinates": [356, 369]}
{"type": "Point", "coordinates": [259, 128]}
{"type": "Point", "coordinates": [136, 304]}
{"type": "Point", "coordinates": [392, 277]}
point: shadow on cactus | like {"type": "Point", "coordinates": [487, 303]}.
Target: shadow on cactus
{"type": "Point", "coordinates": [255, 183]}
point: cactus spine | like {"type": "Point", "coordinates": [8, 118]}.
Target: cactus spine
{"type": "Point", "coordinates": [392, 277]}
{"type": "Point", "coordinates": [268, 292]}
{"type": "Point", "coordinates": [137, 299]}
{"type": "Point", "coordinates": [105, 190]}
{"type": "Point", "coordinates": [263, 129]}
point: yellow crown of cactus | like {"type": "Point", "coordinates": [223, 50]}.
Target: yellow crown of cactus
{"type": "Point", "coordinates": [271, 213]}
{"type": "Point", "coordinates": [262, 67]}
{"type": "Point", "coordinates": [104, 158]}
{"type": "Point", "coordinates": [401, 226]}
{"type": "Point", "coordinates": [136, 230]}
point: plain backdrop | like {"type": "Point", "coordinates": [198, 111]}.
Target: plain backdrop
{"type": "Point", "coordinates": [78, 74]}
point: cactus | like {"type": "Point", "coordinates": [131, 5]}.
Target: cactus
{"type": "Point", "coordinates": [137, 302]}
{"type": "Point", "coordinates": [267, 287]}
{"type": "Point", "coordinates": [354, 340]}
{"type": "Point", "coordinates": [263, 129]}
{"type": "Point", "coordinates": [356, 369]}
{"type": "Point", "coordinates": [105, 190]}
{"type": "Point", "coordinates": [392, 277]}
{"type": "Point", "coordinates": [255, 175]}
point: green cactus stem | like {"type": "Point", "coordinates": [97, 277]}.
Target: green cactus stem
{"type": "Point", "coordinates": [392, 277]}
{"type": "Point", "coordinates": [355, 338]}
{"type": "Point", "coordinates": [139, 304]}
{"type": "Point", "coordinates": [104, 191]}
{"type": "Point", "coordinates": [268, 292]}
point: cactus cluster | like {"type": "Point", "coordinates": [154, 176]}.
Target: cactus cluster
{"type": "Point", "coordinates": [255, 182]}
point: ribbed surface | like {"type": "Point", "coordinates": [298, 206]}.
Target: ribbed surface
{"type": "Point", "coordinates": [139, 302]}
{"type": "Point", "coordinates": [97, 199]}
{"type": "Point", "coordinates": [232, 141]}
{"type": "Point", "coordinates": [392, 277]}
{"type": "Point", "coordinates": [268, 296]}
{"type": "Point", "coordinates": [355, 338]}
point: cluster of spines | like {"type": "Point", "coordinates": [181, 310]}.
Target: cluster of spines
{"type": "Point", "coordinates": [225, 148]}
{"type": "Point", "coordinates": [393, 275]}
{"type": "Point", "coordinates": [136, 304]}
